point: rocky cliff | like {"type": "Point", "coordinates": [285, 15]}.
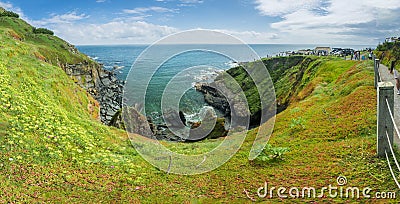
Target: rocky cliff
{"type": "Point", "coordinates": [88, 74]}
{"type": "Point", "coordinates": [289, 75]}
{"type": "Point", "coordinates": [103, 85]}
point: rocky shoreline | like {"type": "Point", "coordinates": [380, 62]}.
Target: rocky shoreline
{"type": "Point", "coordinates": [102, 84]}
{"type": "Point", "coordinates": [105, 88]}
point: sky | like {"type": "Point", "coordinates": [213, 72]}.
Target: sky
{"type": "Point", "coordinates": [102, 22]}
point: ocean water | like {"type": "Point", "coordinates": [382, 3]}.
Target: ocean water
{"type": "Point", "coordinates": [187, 68]}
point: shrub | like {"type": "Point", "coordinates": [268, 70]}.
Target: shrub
{"type": "Point", "coordinates": [298, 123]}
{"type": "Point", "coordinates": [42, 31]}
{"type": "Point", "coordinates": [272, 154]}
{"type": "Point", "coordinates": [9, 14]}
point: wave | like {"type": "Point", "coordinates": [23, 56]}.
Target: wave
{"type": "Point", "coordinates": [206, 75]}
{"type": "Point", "coordinates": [232, 64]}
{"type": "Point", "coordinates": [198, 116]}
{"type": "Point", "coordinates": [93, 58]}
{"type": "Point", "coordinates": [116, 67]}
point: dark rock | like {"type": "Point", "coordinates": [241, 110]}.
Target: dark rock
{"type": "Point", "coordinates": [173, 119]}
{"type": "Point", "coordinates": [182, 117]}
{"type": "Point", "coordinates": [136, 122]}
{"type": "Point", "coordinates": [201, 130]}
{"type": "Point", "coordinates": [117, 121]}
{"type": "Point", "coordinates": [106, 82]}
{"type": "Point", "coordinates": [214, 97]}
{"type": "Point", "coordinates": [103, 85]}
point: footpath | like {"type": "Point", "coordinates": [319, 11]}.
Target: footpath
{"type": "Point", "coordinates": [388, 77]}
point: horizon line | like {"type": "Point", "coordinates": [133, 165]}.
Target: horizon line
{"type": "Point", "coordinates": [149, 44]}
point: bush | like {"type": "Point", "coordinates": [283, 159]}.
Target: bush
{"type": "Point", "coordinates": [272, 154]}
{"type": "Point", "coordinates": [42, 31]}
{"type": "Point", "coordinates": [298, 123]}
{"type": "Point", "coordinates": [9, 14]}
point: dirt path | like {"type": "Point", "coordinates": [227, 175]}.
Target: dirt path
{"type": "Point", "coordinates": [386, 76]}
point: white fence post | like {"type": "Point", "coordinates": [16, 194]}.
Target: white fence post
{"type": "Point", "coordinates": [376, 71]}
{"type": "Point", "coordinates": [384, 120]}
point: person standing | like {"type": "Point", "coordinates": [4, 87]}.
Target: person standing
{"type": "Point", "coordinates": [396, 76]}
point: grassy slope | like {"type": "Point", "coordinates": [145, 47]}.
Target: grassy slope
{"type": "Point", "coordinates": [46, 121]}
{"type": "Point", "coordinates": [52, 148]}
{"type": "Point", "coordinates": [46, 47]}
{"type": "Point", "coordinates": [277, 68]}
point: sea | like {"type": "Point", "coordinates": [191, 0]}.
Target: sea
{"type": "Point", "coordinates": [201, 65]}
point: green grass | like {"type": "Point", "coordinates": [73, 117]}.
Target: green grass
{"type": "Point", "coordinates": [55, 50]}
{"type": "Point", "coordinates": [388, 52]}
{"type": "Point", "coordinates": [53, 149]}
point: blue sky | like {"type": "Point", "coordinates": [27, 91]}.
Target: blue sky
{"type": "Point", "coordinates": [253, 21]}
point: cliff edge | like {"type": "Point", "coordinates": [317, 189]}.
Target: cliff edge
{"type": "Point", "coordinates": [101, 84]}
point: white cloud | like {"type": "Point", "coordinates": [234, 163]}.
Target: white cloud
{"type": "Point", "coordinates": [333, 20]}
{"type": "Point", "coordinates": [101, 1]}
{"type": "Point", "coordinates": [192, 1]}
{"type": "Point", "coordinates": [251, 37]}
{"type": "Point", "coordinates": [115, 32]}
{"type": "Point", "coordinates": [280, 7]}
{"type": "Point", "coordinates": [304, 21]}
{"type": "Point", "coordinates": [8, 6]}
{"type": "Point", "coordinates": [218, 36]}
{"type": "Point", "coordinates": [130, 30]}
{"type": "Point", "coordinates": [66, 18]}
{"type": "Point", "coordinates": [142, 10]}
{"type": "Point", "coordinates": [189, 3]}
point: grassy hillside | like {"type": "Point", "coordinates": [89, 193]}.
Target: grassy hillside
{"type": "Point", "coordinates": [293, 79]}
{"type": "Point", "coordinates": [48, 48]}
{"type": "Point", "coordinates": [47, 122]}
{"type": "Point", "coordinates": [53, 149]}
{"type": "Point", "coordinates": [278, 68]}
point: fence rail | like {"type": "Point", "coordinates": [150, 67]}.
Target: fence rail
{"type": "Point", "coordinates": [386, 124]}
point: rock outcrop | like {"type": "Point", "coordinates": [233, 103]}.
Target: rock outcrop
{"type": "Point", "coordinates": [229, 100]}
{"type": "Point", "coordinates": [214, 97]}
{"type": "Point", "coordinates": [278, 68]}
{"type": "Point", "coordinates": [137, 123]}
{"type": "Point", "coordinates": [103, 85]}
{"type": "Point", "coordinates": [211, 127]}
